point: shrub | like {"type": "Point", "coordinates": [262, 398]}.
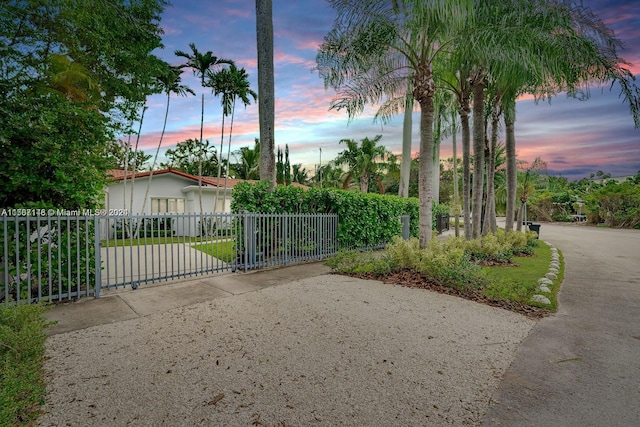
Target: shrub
{"type": "Point", "coordinates": [449, 267]}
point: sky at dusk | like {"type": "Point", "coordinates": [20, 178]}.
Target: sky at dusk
{"type": "Point", "coordinates": [574, 137]}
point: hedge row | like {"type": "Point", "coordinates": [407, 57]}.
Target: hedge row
{"type": "Point", "coordinates": [365, 220]}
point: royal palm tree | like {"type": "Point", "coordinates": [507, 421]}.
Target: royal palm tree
{"type": "Point", "coordinates": [170, 83]}
{"type": "Point", "coordinates": [201, 63]}
{"type": "Point", "coordinates": [231, 83]}
{"type": "Point", "coordinates": [266, 89]}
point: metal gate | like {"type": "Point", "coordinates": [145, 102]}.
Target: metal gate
{"type": "Point", "coordinates": [51, 258]}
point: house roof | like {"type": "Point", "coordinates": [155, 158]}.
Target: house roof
{"type": "Point", "coordinates": [119, 175]}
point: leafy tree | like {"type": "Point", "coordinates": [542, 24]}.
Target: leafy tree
{"type": "Point", "coordinates": [120, 155]}
{"type": "Point", "coordinates": [192, 157]}
{"type": "Point", "coordinates": [74, 74]}
{"type": "Point", "coordinates": [266, 89]}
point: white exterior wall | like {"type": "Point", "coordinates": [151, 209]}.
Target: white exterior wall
{"type": "Point", "coordinates": [166, 185]}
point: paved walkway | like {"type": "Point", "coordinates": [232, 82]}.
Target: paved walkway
{"type": "Point", "coordinates": [145, 300]}
{"type": "Point", "coordinates": [581, 366]}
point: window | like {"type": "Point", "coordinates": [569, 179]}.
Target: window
{"type": "Point", "coordinates": [161, 205]}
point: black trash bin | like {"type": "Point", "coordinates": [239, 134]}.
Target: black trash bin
{"type": "Point", "coordinates": [536, 228]}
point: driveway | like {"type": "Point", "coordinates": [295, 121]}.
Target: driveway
{"type": "Point", "coordinates": [581, 367]}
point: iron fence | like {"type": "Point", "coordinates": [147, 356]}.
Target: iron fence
{"type": "Point", "coordinates": [65, 257]}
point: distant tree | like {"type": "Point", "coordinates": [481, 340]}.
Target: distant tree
{"type": "Point", "coordinates": [299, 174]}
{"type": "Point", "coordinates": [247, 164]}
{"type": "Point", "coordinates": [194, 158]}
{"type": "Point", "coordinates": [120, 155]}
{"type": "Point", "coordinates": [363, 161]}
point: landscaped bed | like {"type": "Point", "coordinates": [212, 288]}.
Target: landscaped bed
{"type": "Point", "coordinates": [501, 270]}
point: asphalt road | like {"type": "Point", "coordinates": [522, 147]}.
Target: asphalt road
{"type": "Point", "coordinates": [581, 366]}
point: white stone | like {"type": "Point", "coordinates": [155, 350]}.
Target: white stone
{"type": "Point", "coordinates": [544, 289]}
{"type": "Point", "coordinates": [544, 281]}
{"type": "Point", "coordinates": [551, 276]}
{"type": "Point", "coordinates": [541, 299]}
{"type": "Point", "coordinates": [553, 270]}
{"type": "Point", "coordinates": [555, 264]}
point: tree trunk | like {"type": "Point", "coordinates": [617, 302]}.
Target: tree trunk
{"type": "Point", "coordinates": [456, 191]}
{"type": "Point", "coordinates": [424, 92]}
{"type": "Point", "coordinates": [133, 170]}
{"type": "Point", "coordinates": [466, 166]}
{"type": "Point", "coordinates": [364, 182]}
{"type": "Point", "coordinates": [200, 156]}
{"type": "Point", "coordinates": [215, 203]}
{"type": "Point", "coordinates": [491, 169]}
{"type": "Point", "coordinates": [512, 174]}
{"type": "Point", "coordinates": [436, 157]}
{"type": "Point", "coordinates": [485, 197]}
{"type": "Point", "coordinates": [405, 169]}
{"type": "Point", "coordinates": [266, 100]}
{"type": "Point", "coordinates": [226, 175]}
{"type": "Point", "coordinates": [155, 158]}
{"type": "Point", "coordinates": [478, 154]}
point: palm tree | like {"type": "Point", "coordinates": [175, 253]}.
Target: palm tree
{"type": "Point", "coordinates": [247, 164]}
{"type": "Point", "coordinates": [201, 63]}
{"type": "Point", "coordinates": [266, 89]}
{"type": "Point", "coordinates": [374, 47]}
{"type": "Point", "coordinates": [169, 81]}
{"type": "Point", "coordinates": [362, 160]}
{"type": "Point", "coordinates": [232, 83]}
{"type": "Point", "coordinates": [299, 174]}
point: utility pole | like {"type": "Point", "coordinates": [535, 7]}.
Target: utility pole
{"type": "Point", "coordinates": [320, 169]}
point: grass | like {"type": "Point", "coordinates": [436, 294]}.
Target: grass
{"type": "Point", "coordinates": [158, 241]}
{"type": "Point", "coordinates": [450, 264]}
{"type": "Point", "coordinates": [22, 387]}
{"type": "Point", "coordinates": [520, 282]}
{"type": "Point", "coordinates": [223, 250]}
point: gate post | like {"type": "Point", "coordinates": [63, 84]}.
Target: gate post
{"type": "Point", "coordinates": [98, 266]}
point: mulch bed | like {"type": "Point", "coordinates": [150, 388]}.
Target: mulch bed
{"type": "Point", "coordinates": [412, 279]}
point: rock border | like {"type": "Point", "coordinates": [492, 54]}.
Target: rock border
{"type": "Point", "coordinates": [545, 283]}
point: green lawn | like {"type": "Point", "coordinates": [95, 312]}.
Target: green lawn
{"type": "Point", "coordinates": [223, 250]}
{"type": "Point", "coordinates": [519, 283]}
{"type": "Point", "coordinates": [22, 387]}
{"type": "Point", "coordinates": [159, 241]}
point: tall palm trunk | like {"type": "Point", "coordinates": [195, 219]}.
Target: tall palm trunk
{"type": "Point", "coordinates": [264, 31]}
{"type": "Point", "coordinates": [424, 92]}
{"type": "Point", "coordinates": [510, 148]}
{"type": "Point", "coordinates": [463, 111]}
{"type": "Point", "coordinates": [407, 124]}
{"type": "Point", "coordinates": [226, 175]}
{"type": "Point", "coordinates": [491, 170]}
{"type": "Point", "coordinates": [456, 191]}
{"type": "Point", "coordinates": [200, 154]}
{"type": "Point", "coordinates": [135, 150]}
{"type": "Point", "coordinates": [436, 155]}
{"type": "Point", "coordinates": [478, 154]}
{"type": "Point", "coordinates": [219, 163]}
{"type": "Point", "coordinates": [155, 157]}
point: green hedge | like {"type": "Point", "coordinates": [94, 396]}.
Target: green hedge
{"type": "Point", "coordinates": [365, 220]}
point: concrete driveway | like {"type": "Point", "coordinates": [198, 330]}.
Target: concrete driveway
{"type": "Point", "coordinates": [581, 367]}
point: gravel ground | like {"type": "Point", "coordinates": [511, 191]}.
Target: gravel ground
{"type": "Point", "coordinates": [329, 350]}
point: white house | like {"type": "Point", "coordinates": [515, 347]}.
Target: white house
{"type": "Point", "coordinates": [171, 191]}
